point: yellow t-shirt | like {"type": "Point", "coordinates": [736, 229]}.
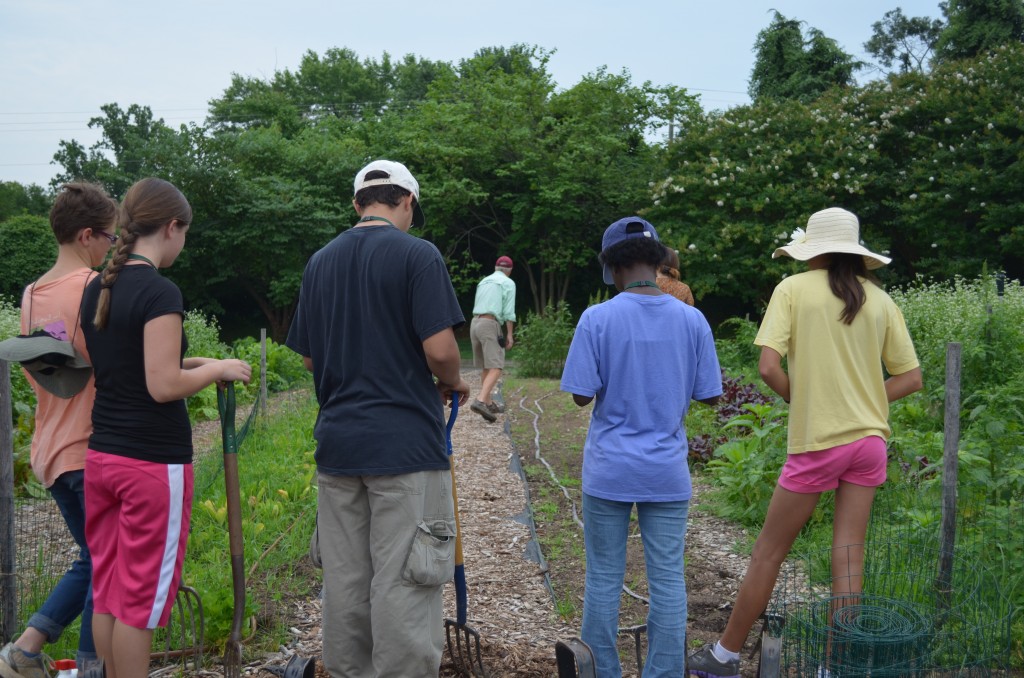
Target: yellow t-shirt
{"type": "Point", "coordinates": [837, 386]}
{"type": "Point", "coordinates": [63, 425]}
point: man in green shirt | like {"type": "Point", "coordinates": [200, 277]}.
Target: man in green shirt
{"type": "Point", "coordinates": [494, 305]}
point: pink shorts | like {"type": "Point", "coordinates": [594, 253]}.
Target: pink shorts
{"type": "Point", "coordinates": [136, 525]}
{"type": "Point", "coordinates": [861, 462]}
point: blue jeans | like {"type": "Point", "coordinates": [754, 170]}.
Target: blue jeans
{"type": "Point", "coordinates": [663, 529]}
{"type": "Point", "coordinates": [73, 594]}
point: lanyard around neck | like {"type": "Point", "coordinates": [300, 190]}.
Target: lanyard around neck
{"type": "Point", "coordinates": [373, 218]}
{"type": "Point", "coordinates": [138, 257]}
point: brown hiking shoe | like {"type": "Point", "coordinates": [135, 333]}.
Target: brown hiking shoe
{"type": "Point", "coordinates": [482, 409]}
{"type": "Point", "coordinates": [14, 664]}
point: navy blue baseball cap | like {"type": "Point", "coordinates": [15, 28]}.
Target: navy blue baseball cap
{"type": "Point", "coordinates": [622, 230]}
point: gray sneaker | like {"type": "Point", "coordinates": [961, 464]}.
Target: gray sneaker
{"type": "Point", "coordinates": [704, 664]}
{"type": "Point", "coordinates": [482, 409]}
{"type": "Point", "coordinates": [495, 408]}
{"type": "Point", "coordinates": [14, 664]}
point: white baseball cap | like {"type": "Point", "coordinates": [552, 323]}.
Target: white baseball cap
{"type": "Point", "coordinates": [398, 175]}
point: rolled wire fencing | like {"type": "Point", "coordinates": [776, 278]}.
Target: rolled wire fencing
{"type": "Point", "coordinates": [908, 621]}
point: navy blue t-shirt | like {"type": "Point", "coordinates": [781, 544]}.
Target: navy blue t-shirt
{"type": "Point", "coordinates": [126, 421]}
{"type": "Point", "coordinates": [368, 300]}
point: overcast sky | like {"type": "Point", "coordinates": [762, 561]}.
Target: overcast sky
{"type": "Point", "coordinates": [60, 60]}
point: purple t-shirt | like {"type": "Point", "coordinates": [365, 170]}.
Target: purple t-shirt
{"type": "Point", "coordinates": [643, 358]}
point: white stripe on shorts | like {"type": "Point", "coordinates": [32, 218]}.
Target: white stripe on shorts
{"type": "Point", "coordinates": [176, 496]}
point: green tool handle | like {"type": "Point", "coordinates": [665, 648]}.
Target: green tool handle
{"type": "Point", "coordinates": [226, 406]}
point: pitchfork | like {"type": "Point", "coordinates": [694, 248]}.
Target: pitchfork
{"type": "Point", "coordinates": [463, 641]}
{"type": "Point", "coordinates": [233, 647]}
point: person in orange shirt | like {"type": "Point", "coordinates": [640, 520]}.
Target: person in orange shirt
{"type": "Point", "coordinates": [83, 219]}
{"type": "Point", "coordinates": [668, 278]}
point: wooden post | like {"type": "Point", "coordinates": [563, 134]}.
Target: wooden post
{"type": "Point", "coordinates": [263, 371]}
{"type": "Point", "coordinates": [944, 581]}
{"type": "Point", "coordinates": [8, 583]}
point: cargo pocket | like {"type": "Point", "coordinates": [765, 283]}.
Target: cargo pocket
{"type": "Point", "coordinates": [431, 560]}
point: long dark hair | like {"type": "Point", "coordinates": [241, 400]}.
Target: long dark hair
{"type": "Point", "coordinates": [844, 274]}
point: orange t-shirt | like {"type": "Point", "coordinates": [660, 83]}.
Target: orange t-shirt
{"type": "Point", "coordinates": [63, 425]}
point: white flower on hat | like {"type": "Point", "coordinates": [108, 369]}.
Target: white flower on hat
{"type": "Point", "coordinates": [797, 237]}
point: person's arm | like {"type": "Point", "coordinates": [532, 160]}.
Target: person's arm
{"type": "Point", "coordinates": [770, 367]}
{"type": "Point", "coordinates": [308, 362]}
{"type": "Point", "coordinates": [900, 385]}
{"type": "Point", "coordinates": [509, 340]}
{"type": "Point", "coordinates": [581, 400]}
{"type": "Point", "coordinates": [166, 377]}
{"type": "Point", "coordinates": [442, 352]}
{"type": "Point", "coordinates": [713, 400]}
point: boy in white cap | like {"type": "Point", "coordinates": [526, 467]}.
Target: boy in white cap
{"type": "Point", "coordinates": [375, 324]}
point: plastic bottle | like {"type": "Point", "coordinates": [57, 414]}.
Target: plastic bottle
{"type": "Point", "coordinates": [65, 668]}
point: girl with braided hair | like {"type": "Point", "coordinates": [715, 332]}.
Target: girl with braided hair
{"type": "Point", "coordinates": [138, 474]}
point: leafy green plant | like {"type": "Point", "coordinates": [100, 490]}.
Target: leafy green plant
{"type": "Point", "coordinates": [277, 487]}
{"type": "Point", "coordinates": [734, 343]}
{"type": "Point", "coordinates": [543, 342]}
{"type": "Point", "coordinates": [285, 368]}
{"type": "Point", "coordinates": [747, 466]}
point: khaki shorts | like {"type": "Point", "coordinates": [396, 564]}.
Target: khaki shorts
{"type": "Point", "coordinates": [486, 352]}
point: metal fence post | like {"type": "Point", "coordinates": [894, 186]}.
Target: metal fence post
{"type": "Point", "coordinates": [8, 584]}
{"type": "Point", "coordinates": [950, 465]}
{"type": "Point", "coordinates": [263, 371]}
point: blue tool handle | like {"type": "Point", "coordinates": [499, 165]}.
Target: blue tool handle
{"type": "Point", "coordinates": [451, 421]}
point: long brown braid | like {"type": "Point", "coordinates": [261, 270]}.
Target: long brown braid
{"type": "Point", "coordinates": [148, 206]}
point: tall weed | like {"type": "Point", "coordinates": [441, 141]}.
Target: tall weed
{"type": "Point", "coordinates": [542, 342]}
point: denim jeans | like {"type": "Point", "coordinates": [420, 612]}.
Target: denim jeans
{"type": "Point", "coordinates": [662, 529]}
{"type": "Point", "coordinates": [73, 594]}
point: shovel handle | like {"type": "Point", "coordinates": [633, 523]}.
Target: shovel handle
{"type": "Point", "coordinates": [226, 406]}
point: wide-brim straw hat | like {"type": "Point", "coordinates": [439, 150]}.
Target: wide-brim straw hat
{"type": "Point", "coordinates": [830, 231]}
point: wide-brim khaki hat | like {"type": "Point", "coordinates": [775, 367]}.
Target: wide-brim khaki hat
{"type": "Point", "coordinates": [54, 364]}
{"type": "Point", "coordinates": [830, 231]}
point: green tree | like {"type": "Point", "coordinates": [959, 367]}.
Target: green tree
{"type": "Point", "coordinates": [27, 249]}
{"type": "Point", "coordinates": [929, 162]}
{"type": "Point", "coordinates": [134, 145]}
{"type": "Point", "coordinates": [974, 27]}
{"type": "Point", "coordinates": [904, 42]}
{"type": "Point", "coordinates": [789, 65]}
{"type": "Point", "coordinates": [17, 199]}
{"type": "Point", "coordinates": [513, 167]}
{"type": "Point", "coordinates": [337, 84]}
{"type": "Point", "coordinates": [263, 204]}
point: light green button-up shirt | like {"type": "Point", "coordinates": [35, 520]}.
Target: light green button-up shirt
{"type": "Point", "coordinates": [496, 295]}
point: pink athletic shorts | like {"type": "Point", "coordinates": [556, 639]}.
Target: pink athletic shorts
{"type": "Point", "coordinates": [136, 525]}
{"type": "Point", "coordinates": [861, 462]}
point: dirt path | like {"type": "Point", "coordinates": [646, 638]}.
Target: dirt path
{"type": "Point", "coordinates": [510, 604]}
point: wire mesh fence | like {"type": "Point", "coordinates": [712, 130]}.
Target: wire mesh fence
{"type": "Point", "coordinates": [910, 620]}
{"type": "Point", "coordinates": [44, 550]}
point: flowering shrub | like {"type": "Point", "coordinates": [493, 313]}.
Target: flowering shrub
{"type": "Point", "coordinates": [930, 164]}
